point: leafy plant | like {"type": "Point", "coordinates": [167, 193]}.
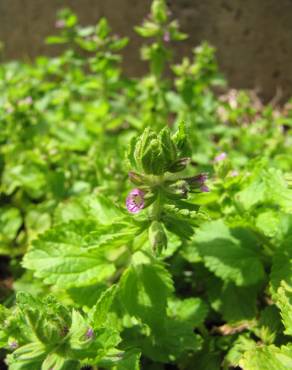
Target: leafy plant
{"type": "Point", "coordinates": [144, 222]}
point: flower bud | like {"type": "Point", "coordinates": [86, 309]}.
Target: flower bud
{"type": "Point", "coordinates": [89, 333]}
{"type": "Point", "coordinates": [197, 183]}
{"type": "Point", "coordinates": [142, 144]}
{"type": "Point", "coordinates": [153, 161]}
{"type": "Point", "coordinates": [168, 147]}
{"type": "Point", "coordinates": [159, 11]}
{"type": "Point", "coordinates": [179, 165]}
{"type": "Point", "coordinates": [220, 157]}
{"type": "Point", "coordinates": [180, 139]}
{"type": "Point", "coordinates": [178, 189]}
{"type": "Point", "coordinates": [157, 237]}
{"type": "Point", "coordinates": [136, 178]}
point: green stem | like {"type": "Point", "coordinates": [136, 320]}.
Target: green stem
{"type": "Point", "coordinates": [156, 208]}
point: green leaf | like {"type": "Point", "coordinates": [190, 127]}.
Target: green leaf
{"type": "Point", "coordinates": [27, 357]}
{"type": "Point", "coordinates": [159, 11]}
{"type": "Point", "coordinates": [173, 344]}
{"type": "Point", "coordinates": [269, 324]}
{"type": "Point", "coordinates": [239, 303]}
{"type": "Point", "coordinates": [144, 289]}
{"type": "Point", "coordinates": [281, 267]}
{"type": "Point", "coordinates": [50, 335]}
{"type": "Point", "coordinates": [86, 296]}
{"type": "Point", "coordinates": [235, 303]}
{"type": "Point", "coordinates": [268, 222]}
{"type": "Point", "coordinates": [231, 253]}
{"type": "Point", "coordinates": [266, 186]}
{"type": "Point", "coordinates": [74, 254]}
{"type": "Point", "coordinates": [102, 208]}
{"type": "Point", "coordinates": [149, 29]}
{"type": "Point", "coordinates": [267, 358]}
{"type": "Point", "coordinates": [10, 222]}
{"type": "Point", "coordinates": [103, 305]}
{"type": "Point", "coordinates": [44, 320]}
{"type": "Point", "coordinates": [284, 302]}
{"type": "Point", "coordinates": [192, 310]}
{"type": "Point", "coordinates": [130, 361]}
{"type": "Point", "coordinates": [57, 362]}
{"type": "Point", "coordinates": [84, 346]}
{"type": "Point", "coordinates": [180, 138]}
{"type": "Point", "coordinates": [242, 344]}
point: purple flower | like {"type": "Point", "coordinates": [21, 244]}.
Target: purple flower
{"type": "Point", "coordinates": [201, 178]}
{"type": "Point", "coordinates": [220, 157]}
{"type": "Point", "coordinates": [10, 109]}
{"type": "Point", "coordinates": [166, 36]}
{"type": "Point", "coordinates": [90, 333]}
{"type": "Point", "coordinates": [135, 201]}
{"type": "Point", "coordinates": [60, 23]}
{"type": "Point", "coordinates": [198, 182]}
{"type": "Point", "coordinates": [13, 345]}
{"type": "Point", "coordinates": [26, 101]}
{"type": "Point", "coordinates": [234, 173]}
{"type": "Point", "coordinates": [204, 189]}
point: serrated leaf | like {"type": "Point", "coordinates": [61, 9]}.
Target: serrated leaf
{"type": "Point", "coordinates": [281, 267]}
{"type": "Point", "coordinates": [89, 342]}
{"type": "Point", "coordinates": [176, 341]}
{"type": "Point", "coordinates": [10, 222]}
{"type": "Point", "coordinates": [231, 253]}
{"type": "Point", "coordinates": [235, 303]}
{"type": "Point", "coordinates": [44, 320]}
{"type": "Point", "coordinates": [86, 296]}
{"type": "Point", "coordinates": [192, 310]}
{"type": "Point", "coordinates": [73, 254]}
{"type": "Point", "coordinates": [267, 358]}
{"type": "Point", "coordinates": [57, 362]}
{"type": "Point", "coordinates": [27, 357]}
{"type": "Point", "coordinates": [130, 361]}
{"type": "Point", "coordinates": [144, 289]}
{"type": "Point", "coordinates": [266, 186]}
{"type": "Point", "coordinates": [102, 307]}
{"type": "Point", "coordinates": [241, 345]}
{"type": "Point", "coordinates": [284, 302]}
{"type": "Point", "coordinates": [52, 336]}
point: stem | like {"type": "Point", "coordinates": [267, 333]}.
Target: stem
{"type": "Point", "coordinates": [155, 211]}
{"type": "Point", "coordinates": [156, 208]}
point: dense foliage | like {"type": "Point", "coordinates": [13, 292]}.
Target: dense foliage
{"type": "Point", "coordinates": [144, 222]}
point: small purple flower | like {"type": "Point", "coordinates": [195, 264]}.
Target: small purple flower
{"type": "Point", "coordinates": [135, 201]}
{"type": "Point", "coordinates": [13, 345]}
{"type": "Point", "coordinates": [198, 182]}
{"type": "Point", "coordinates": [234, 173]}
{"type": "Point", "coordinates": [202, 178]}
{"type": "Point", "coordinates": [166, 36]}
{"type": "Point", "coordinates": [89, 334]}
{"type": "Point", "coordinates": [26, 101]}
{"type": "Point", "coordinates": [204, 189]}
{"type": "Point", "coordinates": [60, 23]}
{"type": "Point", "coordinates": [9, 110]}
{"type": "Point", "coordinates": [220, 157]}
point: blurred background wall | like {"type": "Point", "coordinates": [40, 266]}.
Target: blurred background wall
{"type": "Point", "coordinates": [253, 37]}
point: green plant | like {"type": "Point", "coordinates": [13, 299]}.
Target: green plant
{"type": "Point", "coordinates": [143, 222]}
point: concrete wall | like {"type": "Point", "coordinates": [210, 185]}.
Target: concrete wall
{"type": "Point", "coordinates": [253, 37]}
